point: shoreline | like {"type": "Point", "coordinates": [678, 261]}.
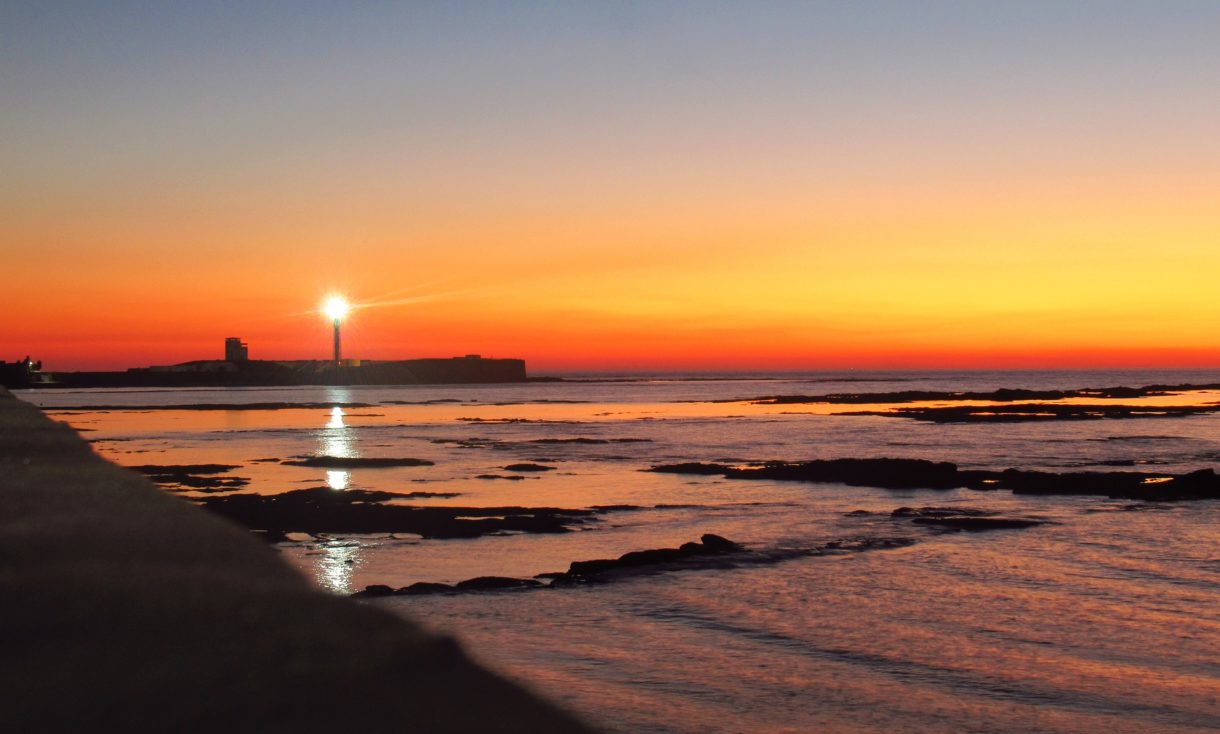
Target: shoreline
{"type": "Point", "coordinates": [174, 619]}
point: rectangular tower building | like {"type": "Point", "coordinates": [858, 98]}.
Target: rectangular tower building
{"type": "Point", "coordinates": [236, 350]}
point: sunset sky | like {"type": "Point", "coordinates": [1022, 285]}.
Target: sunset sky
{"type": "Point", "coordinates": [614, 185]}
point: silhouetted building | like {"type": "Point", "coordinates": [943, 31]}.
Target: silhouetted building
{"type": "Point", "coordinates": [236, 350]}
{"type": "Point", "coordinates": [22, 373]}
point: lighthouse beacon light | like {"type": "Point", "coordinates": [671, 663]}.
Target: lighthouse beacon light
{"type": "Point", "coordinates": [335, 308]}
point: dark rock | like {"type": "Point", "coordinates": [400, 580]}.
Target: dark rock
{"type": "Point", "coordinates": [939, 512]}
{"type": "Point", "coordinates": [513, 420]}
{"type": "Point", "coordinates": [589, 441]}
{"type": "Point", "coordinates": [184, 477]}
{"type": "Point", "coordinates": [651, 557]}
{"type": "Point", "coordinates": [324, 510]}
{"type": "Point", "coordinates": [528, 467]}
{"type": "Point", "coordinates": [718, 554]}
{"type": "Point", "coordinates": [718, 544]}
{"type": "Point", "coordinates": [374, 590]}
{"type": "Point", "coordinates": [978, 524]}
{"type": "Point", "coordinates": [922, 474]}
{"type": "Point", "coordinates": [962, 518]}
{"type": "Point", "coordinates": [691, 468]}
{"type": "Point", "coordinates": [1001, 395]}
{"type": "Point", "coordinates": [423, 587]}
{"type": "Point", "coordinates": [496, 583]}
{"type": "Point", "coordinates": [584, 441]}
{"type": "Point", "coordinates": [711, 545]}
{"type": "Point", "coordinates": [184, 468]}
{"type": "Point", "coordinates": [1027, 412]}
{"type": "Point", "coordinates": [202, 484]}
{"type": "Point", "coordinates": [344, 462]}
{"type": "Point", "coordinates": [884, 473]}
{"type": "Point", "coordinates": [592, 568]}
{"type": "Point", "coordinates": [498, 476]}
{"type": "Point", "coordinates": [1201, 484]}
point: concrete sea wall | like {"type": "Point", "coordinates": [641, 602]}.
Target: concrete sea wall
{"type": "Point", "coordinates": [125, 609]}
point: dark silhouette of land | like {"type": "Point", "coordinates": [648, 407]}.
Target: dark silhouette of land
{"type": "Point", "coordinates": [471, 369]}
{"type": "Point", "coordinates": [211, 406]}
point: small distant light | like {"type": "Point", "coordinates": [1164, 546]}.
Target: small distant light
{"type": "Point", "coordinates": [335, 308]}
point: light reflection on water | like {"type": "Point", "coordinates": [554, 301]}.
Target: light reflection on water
{"type": "Point", "coordinates": [338, 560]}
{"type": "Point", "coordinates": [337, 439]}
{"type": "Point", "coordinates": [337, 479]}
{"type": "Point", "coordinates": [336, 563]}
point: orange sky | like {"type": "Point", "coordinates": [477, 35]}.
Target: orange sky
{"type": "Point", "coordinates": [702, 192]}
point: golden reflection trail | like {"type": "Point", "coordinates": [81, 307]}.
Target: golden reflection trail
{"type": "Point", "coordinates": [334, 569]}
{"type": "Point", "coordinates": [338, 439]}
{"type": "Point", "coordinates": [338, 558]}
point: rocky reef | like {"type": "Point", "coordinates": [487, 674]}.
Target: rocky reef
{"type": "Point", "coordinates": [324, 510]}
{"type": "Point", "coordinates": [1001, 395]}
{"type": "Point", "coordinates": [709, 552]}
{"type": "Point", "coordinates": [922, 474]}
{"type": "Point", "coordinates": [963, 518]}
{"type": "Point", "coordinates": [1029, 412]}
{"type": "Point", "coordinates": [344, 462]}
{"type": "Point", "coordinates": [192, 477]}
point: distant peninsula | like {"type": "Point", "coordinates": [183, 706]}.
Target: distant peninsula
{"type": "Point", "coordinates": [468, 369]}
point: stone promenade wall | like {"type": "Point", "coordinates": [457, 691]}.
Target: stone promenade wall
{"type": "Point", "coordinates": [125, 609]}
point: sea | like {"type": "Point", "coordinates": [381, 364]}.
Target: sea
{"type": "Point", "coordinates": [1106, 617]}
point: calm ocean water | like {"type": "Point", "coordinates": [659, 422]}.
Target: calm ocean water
{"type": "Point", "coordinates": [1105, 619]}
